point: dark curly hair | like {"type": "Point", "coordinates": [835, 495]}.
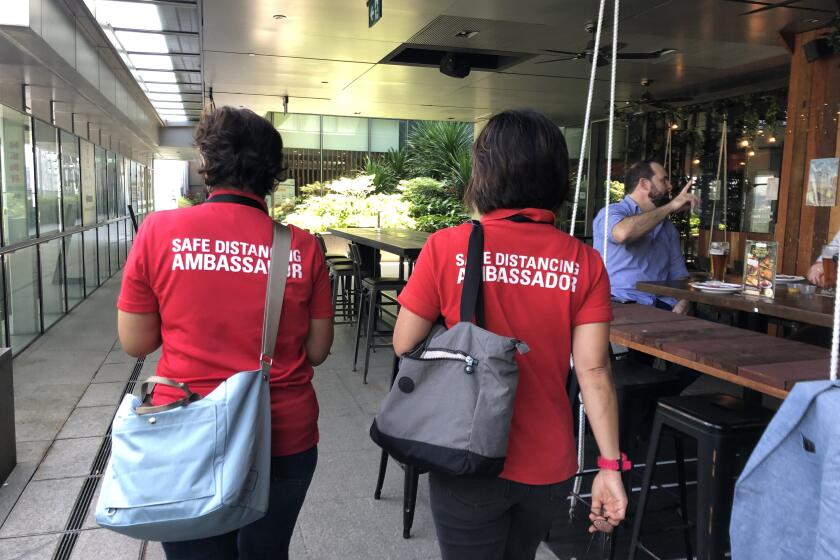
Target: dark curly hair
{"type": "Point", "coordinates": [520, 160]}
{"type": "Point", "coordinates": [240, 150]}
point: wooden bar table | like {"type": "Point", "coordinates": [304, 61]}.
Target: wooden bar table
{"type": "Point", "coordinates": [811, 309]}
{"type": "Point", "coordinates": [752, 360]}
{"type": "Point", "coordinates": [405, 243]}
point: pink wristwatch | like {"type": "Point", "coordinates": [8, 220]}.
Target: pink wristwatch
{"type": "Point", "coordinates": [623, 464]}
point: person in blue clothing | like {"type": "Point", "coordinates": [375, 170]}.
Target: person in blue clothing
{"type": "Point", "coordinates": [643, 244]}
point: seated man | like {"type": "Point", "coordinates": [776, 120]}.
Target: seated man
{"type": "Point", "coordinates": [815, 273]}
{"type": "Point", "coordinates": [643, 243]}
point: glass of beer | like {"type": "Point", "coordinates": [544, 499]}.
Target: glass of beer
{"type": "Point", "coordinates": [829, 263]}
{"type": "Point", "coordinates": [719, 254]}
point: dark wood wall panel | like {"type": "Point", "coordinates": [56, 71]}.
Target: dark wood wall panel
{"type": "Point", "coordinates": [813, 99]}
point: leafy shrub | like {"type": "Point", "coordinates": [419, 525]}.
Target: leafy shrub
{"type": "Point", "coordinates": [441, 150]}
{"type": "Point", "coordinates": [432, 204]}
{"type": "Point", "coordinates": [387, 170]}
{"type": "Point", "coordinates": [351, 202]}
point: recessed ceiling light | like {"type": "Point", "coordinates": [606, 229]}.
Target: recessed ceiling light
{"type": "Point", "coordinates": [466, 34]}
{"type": "Point", "coordinates": [279, 16]}
{"type": "Point", "coordinates": [814, 21]}
{"type": "Point", "coordinates": [251, 54]}
{"type": "Point", "coordinates": [450, 118]}
{"type": "Point", "coordinates": [357, 112]}
{"type": "Point", "coordinates": [324, 82]}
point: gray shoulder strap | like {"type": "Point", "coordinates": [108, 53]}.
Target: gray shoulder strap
{"type": "Point", "coordinates": [278, 271]}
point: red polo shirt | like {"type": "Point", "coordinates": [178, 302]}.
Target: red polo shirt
{"type": "Point", "coordinates": [539, 283]}
{"type": "Point", "coordinates": [204, 269]}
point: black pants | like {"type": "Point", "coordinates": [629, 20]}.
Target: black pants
{"type": "Point", "coordinates": [493, 518]}
{"type": "Point", "coordinates": [268, 538]}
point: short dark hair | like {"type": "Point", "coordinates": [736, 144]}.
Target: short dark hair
{"type": "Point", "coordinates": [240, 149]}
{"type": "Point", "coordinates": [520, 160]}
{"type": "Point", "coordinates": [638, 171]}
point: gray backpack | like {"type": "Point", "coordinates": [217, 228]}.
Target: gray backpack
{"type": "Point", "coordinates": [450, 406]}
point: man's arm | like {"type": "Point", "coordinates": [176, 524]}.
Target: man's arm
{"type": "Point", "coordinates": [632, 228]}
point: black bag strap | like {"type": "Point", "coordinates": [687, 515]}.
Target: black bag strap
{"type": "Point", "coordinates": [237, 199]}
{"type": "Point", "coordinates": [472, 304]}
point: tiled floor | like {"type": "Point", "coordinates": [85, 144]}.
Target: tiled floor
{"type": "Point", "coordinates": [67, 386]}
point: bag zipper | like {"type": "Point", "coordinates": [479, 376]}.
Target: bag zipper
{"type": "Point", "coordinates": [431, 354]}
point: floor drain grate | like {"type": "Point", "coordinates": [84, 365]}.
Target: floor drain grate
{"type": "Point", "coordinates": [78, 514]}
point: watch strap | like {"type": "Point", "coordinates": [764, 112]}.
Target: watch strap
{"type": "Point", "coordinates": [622, 464]}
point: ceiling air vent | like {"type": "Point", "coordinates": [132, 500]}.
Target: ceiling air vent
{"type": "Point", "coordinates": [454, 61]}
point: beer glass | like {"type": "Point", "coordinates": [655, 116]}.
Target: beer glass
{"type": "Point", "coordinates": [829, 263]}
{"type": "Point", "coordinates": [719, 253]}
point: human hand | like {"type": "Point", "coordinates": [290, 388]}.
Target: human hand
{"type": "Point", "coordinates": [815, 275]}
{"type": "Point", "coordinates": [685, 200]}
{"type": "Point", "coordinates": [609, 501]}
{"type": "Point", "coordinates": [681, 307]}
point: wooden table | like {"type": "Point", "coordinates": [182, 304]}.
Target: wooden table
{"type": "Point", "coordinates": [751, 360]}
{"type": "Point", "coordinates": [813, 309]}
{"type": "Point", "coordinates": [406, 243]}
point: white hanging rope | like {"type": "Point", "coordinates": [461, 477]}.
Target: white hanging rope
{"type": "Point", "coordinates": [610, 127]}
{"type": "Point", "coordinates": [721, 153]}
{"type": "Point", "coordinates": [582, 409]}
{"type": "Point", "coordinates": [585, 135]}
{"type": "Point", "coordinates": [835, 333]}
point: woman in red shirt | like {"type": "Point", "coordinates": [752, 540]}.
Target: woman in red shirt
{"type": "Point", "coordinates": [549, 290]}
{"type": "Point", "coordinates": [194, 283]}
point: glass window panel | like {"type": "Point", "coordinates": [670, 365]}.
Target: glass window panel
{"type": "Point", "coordinates": [155, 76]}
{"type": "Point", "coordinates": [114, 242]}
{"type": "Point", "coordinates": [384, 135]}
{"type": "Point", "coordinates": [22, 282]}
{"type": "Point", "coordinates": [129, 15]}
{"type": "Point", "coordinates": [152, 61]}
{"type": "Point", "coordinates": [75, 279]}
{"type": "Point", "coordinates": [346, 133]}
{"type": "Point", "coordinates": [101, 184]}
{"type": "Point", "coordinates": [52, 280]}
{"type": "Point", "coordinates": [71, 184]}
{"type": "Point", "coordinates": [104, 253]}
{"type": "Point", "coordinates": [17, 178]}
{"type": "Point", "coordinates": [121, 186]}
{"type": "Point", "coordinates": [299, 131]}
{"type": "Point", "coordinates": [88, 183]}
{"type": "Point", "coordinates": [49, 178]}
{"type": "Point", "coordinates": [111, 159]}
{"type": "Point", "coordinates": [91, 270]}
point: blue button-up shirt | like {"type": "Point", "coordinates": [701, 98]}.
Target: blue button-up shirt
{"type": "Point", "coordinates": [654, 256]}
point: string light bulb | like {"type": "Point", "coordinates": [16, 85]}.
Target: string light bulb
{"type": "Point", "coordinates": [751, 153]}
{"type": "Point", "coordinates": [674, 126]}
{"type": "Point", "coordinates": [772, 139]}
{"type": "Point", "coordinates": [745, 143]}
{"type": "Point", "coordinates": [696, 161]}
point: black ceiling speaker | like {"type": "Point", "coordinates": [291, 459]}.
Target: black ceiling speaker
{"type": "Point", "coordinates": [817, 49]}
{"type": "Point", "coordinates": [455, 65]}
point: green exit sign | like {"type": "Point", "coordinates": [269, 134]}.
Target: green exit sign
{"type": "Point", "coordinates": [374, 11]}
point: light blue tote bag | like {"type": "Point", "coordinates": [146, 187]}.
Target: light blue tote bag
{"type": "Point", "coordinates": [196, 468]}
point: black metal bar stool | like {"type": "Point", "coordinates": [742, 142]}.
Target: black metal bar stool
{"type": "Point", "coordinates": [721, 425]}
{"type": "Point", "coordinates": [341, 277]}
{"type": "Point", "coordinates": [371, 293]}
{"type": "Point", "coordinates": [411, 477]}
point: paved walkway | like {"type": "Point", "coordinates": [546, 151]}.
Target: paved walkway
{"type": "Point", "coordinates": [67, 387]}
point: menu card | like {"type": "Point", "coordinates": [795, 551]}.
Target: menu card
{"type": "Point", "coordinates": [760, 268]}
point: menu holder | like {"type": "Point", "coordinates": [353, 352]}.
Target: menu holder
{"type": "Point", "coordinates": [760, 268]}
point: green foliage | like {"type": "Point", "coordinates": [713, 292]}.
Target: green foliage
{"type": "Point", "coordinates": [351, 202]}
{"type": "Point", "coordinates": [387, 170]}
{"type": "Point", "coordinates": [616, 191]}
{"type": "Point", "coordinates": [432, 204]}
{"type": "Point", "coordinates": [440, 150]}
{"type": "Point", "coordinates": [185, 202]}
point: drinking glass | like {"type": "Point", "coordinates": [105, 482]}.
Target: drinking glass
{"type": "Point", "coordinates": [719, 253]}
{"type": "Point", "coordinates": [829, 263]}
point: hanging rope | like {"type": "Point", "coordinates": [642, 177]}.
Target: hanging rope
{"type": "Point", "coordinates": [610, 127]}
{"type": "Point", "coordinates": [585, 135]}
{"type": "Point", "coordinates": [835, 333]}
{"type": "Point", "coordinates": [582, 409]}
{"type": "Point", "coordinates": [721, 156]}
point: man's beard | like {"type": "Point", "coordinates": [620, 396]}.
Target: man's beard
{"type": "Point", "coordinates": [660, 199]}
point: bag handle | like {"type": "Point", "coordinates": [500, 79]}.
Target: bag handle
{"type": "Point", "coordinates": [278, 271]}
{"type": "Point", "coordinates": [472, 302]}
